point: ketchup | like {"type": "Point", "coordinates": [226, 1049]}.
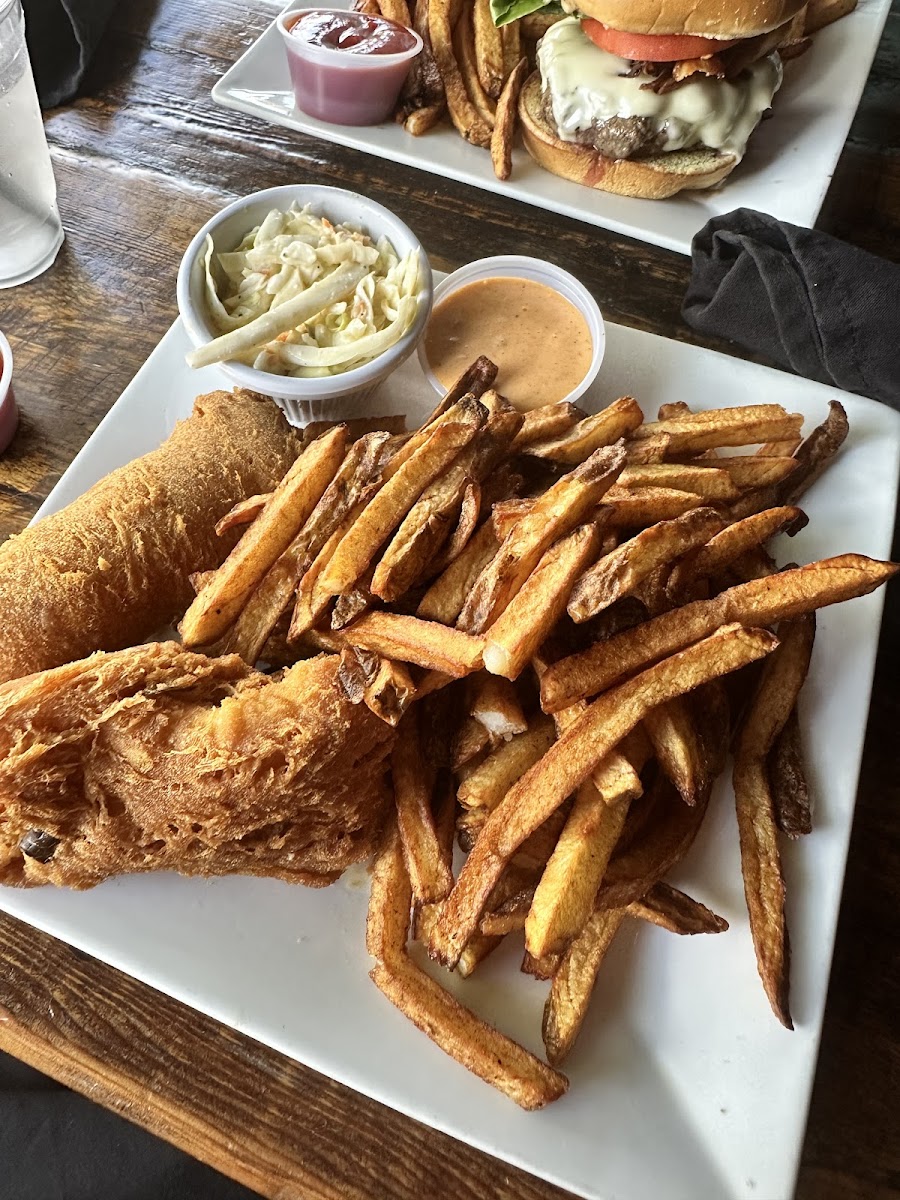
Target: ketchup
{"type": "Point", "coordinates": [347, 68]}
{"type": "Point", "coordinates": [355, 33]}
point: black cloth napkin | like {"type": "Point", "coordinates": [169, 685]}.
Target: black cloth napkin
{"type": "Point", "coordinates": [824, 309]}
{"type": "Point", "coordinates": [62, 35]}
{"type": "Point", "coordinates": [55, 1145]}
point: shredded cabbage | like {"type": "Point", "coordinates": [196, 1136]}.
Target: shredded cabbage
{"type": "Point", "coordinates": [283, 257]}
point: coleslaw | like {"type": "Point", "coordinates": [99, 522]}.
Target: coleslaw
{"type": "Point", "coordinates": [363, 296]}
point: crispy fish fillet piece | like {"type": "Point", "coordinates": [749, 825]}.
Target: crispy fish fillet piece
{"type": "Point", "coordinates": [112, 567]}
{"type": "Point", "coordinates": [155, 758]}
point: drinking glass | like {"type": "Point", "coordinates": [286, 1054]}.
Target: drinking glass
{"type": "Point", "coordinates": [30, 229]}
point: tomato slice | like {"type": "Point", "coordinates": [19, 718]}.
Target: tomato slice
{"type": "Point", "coordinates": [645, 47]}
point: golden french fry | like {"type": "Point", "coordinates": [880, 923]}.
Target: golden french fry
{"type": "Point", "coordinates": [387, 923]}
{"type": "Point", "coordinates": [505, 120]}
{"type": "Point", "coordinates": [752, 471]}
{"type": "Point", "coordinates": [712, 483]}
{"type": "Point", "coordinates": [552, 515]}
{"type": "Point", "coordinates": [429, 873]}
{"type": "Point", "coordinates": [396, 10]}
{"type": "Point", "coordinates": [653, 449]}
{"type": "Point", "coordinates": [675, 408]}
{"type": "Point", "coordinates": [744, 426]}
{"type": "Point", "coordinates": [815, 453]}
{"type": "Point", "coordinates": [564, 898]}
{"type": "Point", "coordinates": [413, 640]}
{"type": "Point", "coordinates": [470, 744]}
{"type": "Point", "coordinates": [390, 504]}
{"type": "Point", "coordinates": [769, 711]}
{"type": "Point", "coordinates": [486, 786]}
{"type": "Point", "coordinates": [759, 602]}
{"type": "Point", "coordinates": [243, 513]}
{"type": "Point", "coordinates": [464, 50]}
{"type": "Point", "coordinates": [617, 420]}
{"type": "Point", "coordinates": [631, 509]}
{"type": "Point", "coordinates": [445, 598]}
{"type": "Point", "coordinates": [512, 640]}
{"type": "Point", "coordinates": [567, 764]}
{"type": "Point", "coordinates": [573, 982]}
{"type": "Point", "coordinates": [512, 47]}
{"type": "Point", "coordinates": [462, 111]}
{"type": "Point", "coordinates": [467, 523]}
{"type": "Point", "coordinates": [619, 573]}
{"type": "Point", "coordinates": [224, 595]}
{"type": "Point", "coordinates": [509, 916]}
{"type": "Point", "coordinates": [730, 544]}
{"type": "Point", "coordinates": [671, 909]}
{"type": "Point", "coordinates": [676, 742]}
{"type": "Point", "coordinates": [488, 49]}
{"type": "Point", "coordinates": [390, 691]}
{"type": "Point", "coordinates": [496, 706]}
{"type": "Point", "coordinates": [546, 422]}
{"type": "Point", "coordinates": [787, 781]}
{"type": "Point", "coordinates": [483, 1050]}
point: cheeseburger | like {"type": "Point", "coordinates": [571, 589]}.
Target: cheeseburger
{"type": "Point", "coordinates": [649, 97]}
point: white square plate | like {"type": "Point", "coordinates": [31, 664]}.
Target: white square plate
{"type": "Point", "coordinates": [683, 1083]}
{"type": "Point", "coordinates": [786, 172]}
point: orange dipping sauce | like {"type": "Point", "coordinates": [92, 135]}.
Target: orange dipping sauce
{"type": "Point", "coordinates": [539, 340]}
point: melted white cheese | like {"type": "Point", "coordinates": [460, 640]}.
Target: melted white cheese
{"type": "Point", "coordinates": [587, 85]}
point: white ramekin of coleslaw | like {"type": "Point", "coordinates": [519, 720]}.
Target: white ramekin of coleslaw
{"type": "Point", "coordinates": [311, 295]}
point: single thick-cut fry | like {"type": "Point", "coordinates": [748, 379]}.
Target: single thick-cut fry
{"type": "Point", "coordinates": [671, 909]}
{"type": "Point", "coordinates": [788, 783]}
{"type": "Point", "coordinates": [712, 483]}
{"type": "Point", "coordinates": [424, 643]}
{"type": "Point", "coordinates": [547, 421]}
{"type": "Point", "coordinates": [463, 113]}
{"type": "Point", "coordinates": [754, 471]}
{"type": "Point", "coordinates": [573, 982]}
{"type": "Point", "coordinates": [486, 786]}
{"type": "Point", "coordinates": [564, 898]}
{"type": "Point", "coordinates": [464, 50]}
{"type": "Point", "coordinates": [226, 592]}
{"type": "Point", "coordinates": [477, 378]}
{"type": "Point", "coordinates": [759, 602]}
{"type": "Point", "coordinates": [744, 426]}
{"type": "Point", "coordinates": [496, 706]}
{"type": "Point", "coordinates": [387, 508]}
{"type": "Point", "coordinates": [488, 49]}
{"type": "Point", "coordinates": [676, 742]}
{"type": "Point", "coordinates": [815, 453]}
{"type": "Point", "coordinates": [429, 873]}
{"type": "Point", "coordinates": [618, 420]}
{"type": "Point", "coordinates": [387, 923]}
{"type": "Point", "coordinates": [390, 691]}
{"type": "Point", "coordinates": [470, 744]}
{"type": "Point", "coordinates": [647, 505]}
{"type": "Point", "coordinates": [505, 120]}
{"type": "Point", "coordinates": [512, 46]}
{"type": "Point", "coordinates": [396, 10]}
{"type": "Point", "coordinates": [730, 544]}
{"type": "Point", "coordinates": [445, 598]}
{"type": "Point", "coordinates": [517, 633]}
{"type": "Point", "coordinates": [651, 450]}
{"type": "Point", "coordinates": [619, 572]}
{"type": "Point", "coordinates": [243, 513]}
{"type": "Point", "coordinates": [780, 683]}
{"type": "Point", "coordinates": [552, 515]}
{"type": "Point", "coordinates": [483, 1050]}
{"type": "Point", "coordinates": [571, 759]}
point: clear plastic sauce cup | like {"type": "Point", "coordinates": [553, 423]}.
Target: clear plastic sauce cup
{"type": "Point", "coordinates": [343, 68]}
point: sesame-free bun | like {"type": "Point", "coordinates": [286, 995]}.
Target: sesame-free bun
{"type": "Point", "coordinates": [653, 178]}
{"type": "Point", "coordinates": [705, 18]}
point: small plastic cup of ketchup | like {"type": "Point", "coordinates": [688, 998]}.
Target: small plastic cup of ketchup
{"type": "Point", "coordinates": [347, 68]}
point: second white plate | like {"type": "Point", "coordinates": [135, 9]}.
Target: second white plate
{"type": "Point", "coordinates": [683, 1083]}
{"type": "Point", "coordinates": [786, 172]}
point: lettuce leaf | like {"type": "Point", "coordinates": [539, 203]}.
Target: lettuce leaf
{"type": "Point", "coordinates": [504, 11]}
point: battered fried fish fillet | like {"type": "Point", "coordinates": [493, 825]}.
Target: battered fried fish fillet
{"type": "Point", "coordinates": [155, 758]}
{"type": "Point", "coordinates": [112, 567]}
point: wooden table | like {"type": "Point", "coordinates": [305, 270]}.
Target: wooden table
{"type": "Point", "coordinates": [142, 160]}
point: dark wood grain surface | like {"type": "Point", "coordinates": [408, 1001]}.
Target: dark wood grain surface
{"type": "Point", "coordinates": [142, 159]}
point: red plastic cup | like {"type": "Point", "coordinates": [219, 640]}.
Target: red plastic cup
{"type": "Point", "coordinates": [9, 413]}
{"type": "Point", "coordinates": [340, 86]}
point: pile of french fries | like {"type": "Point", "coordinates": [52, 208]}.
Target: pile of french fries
{"type": "Point", "coordinates": [468, 70]}
{"type": "Point", "coordinates": [568, 620]}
